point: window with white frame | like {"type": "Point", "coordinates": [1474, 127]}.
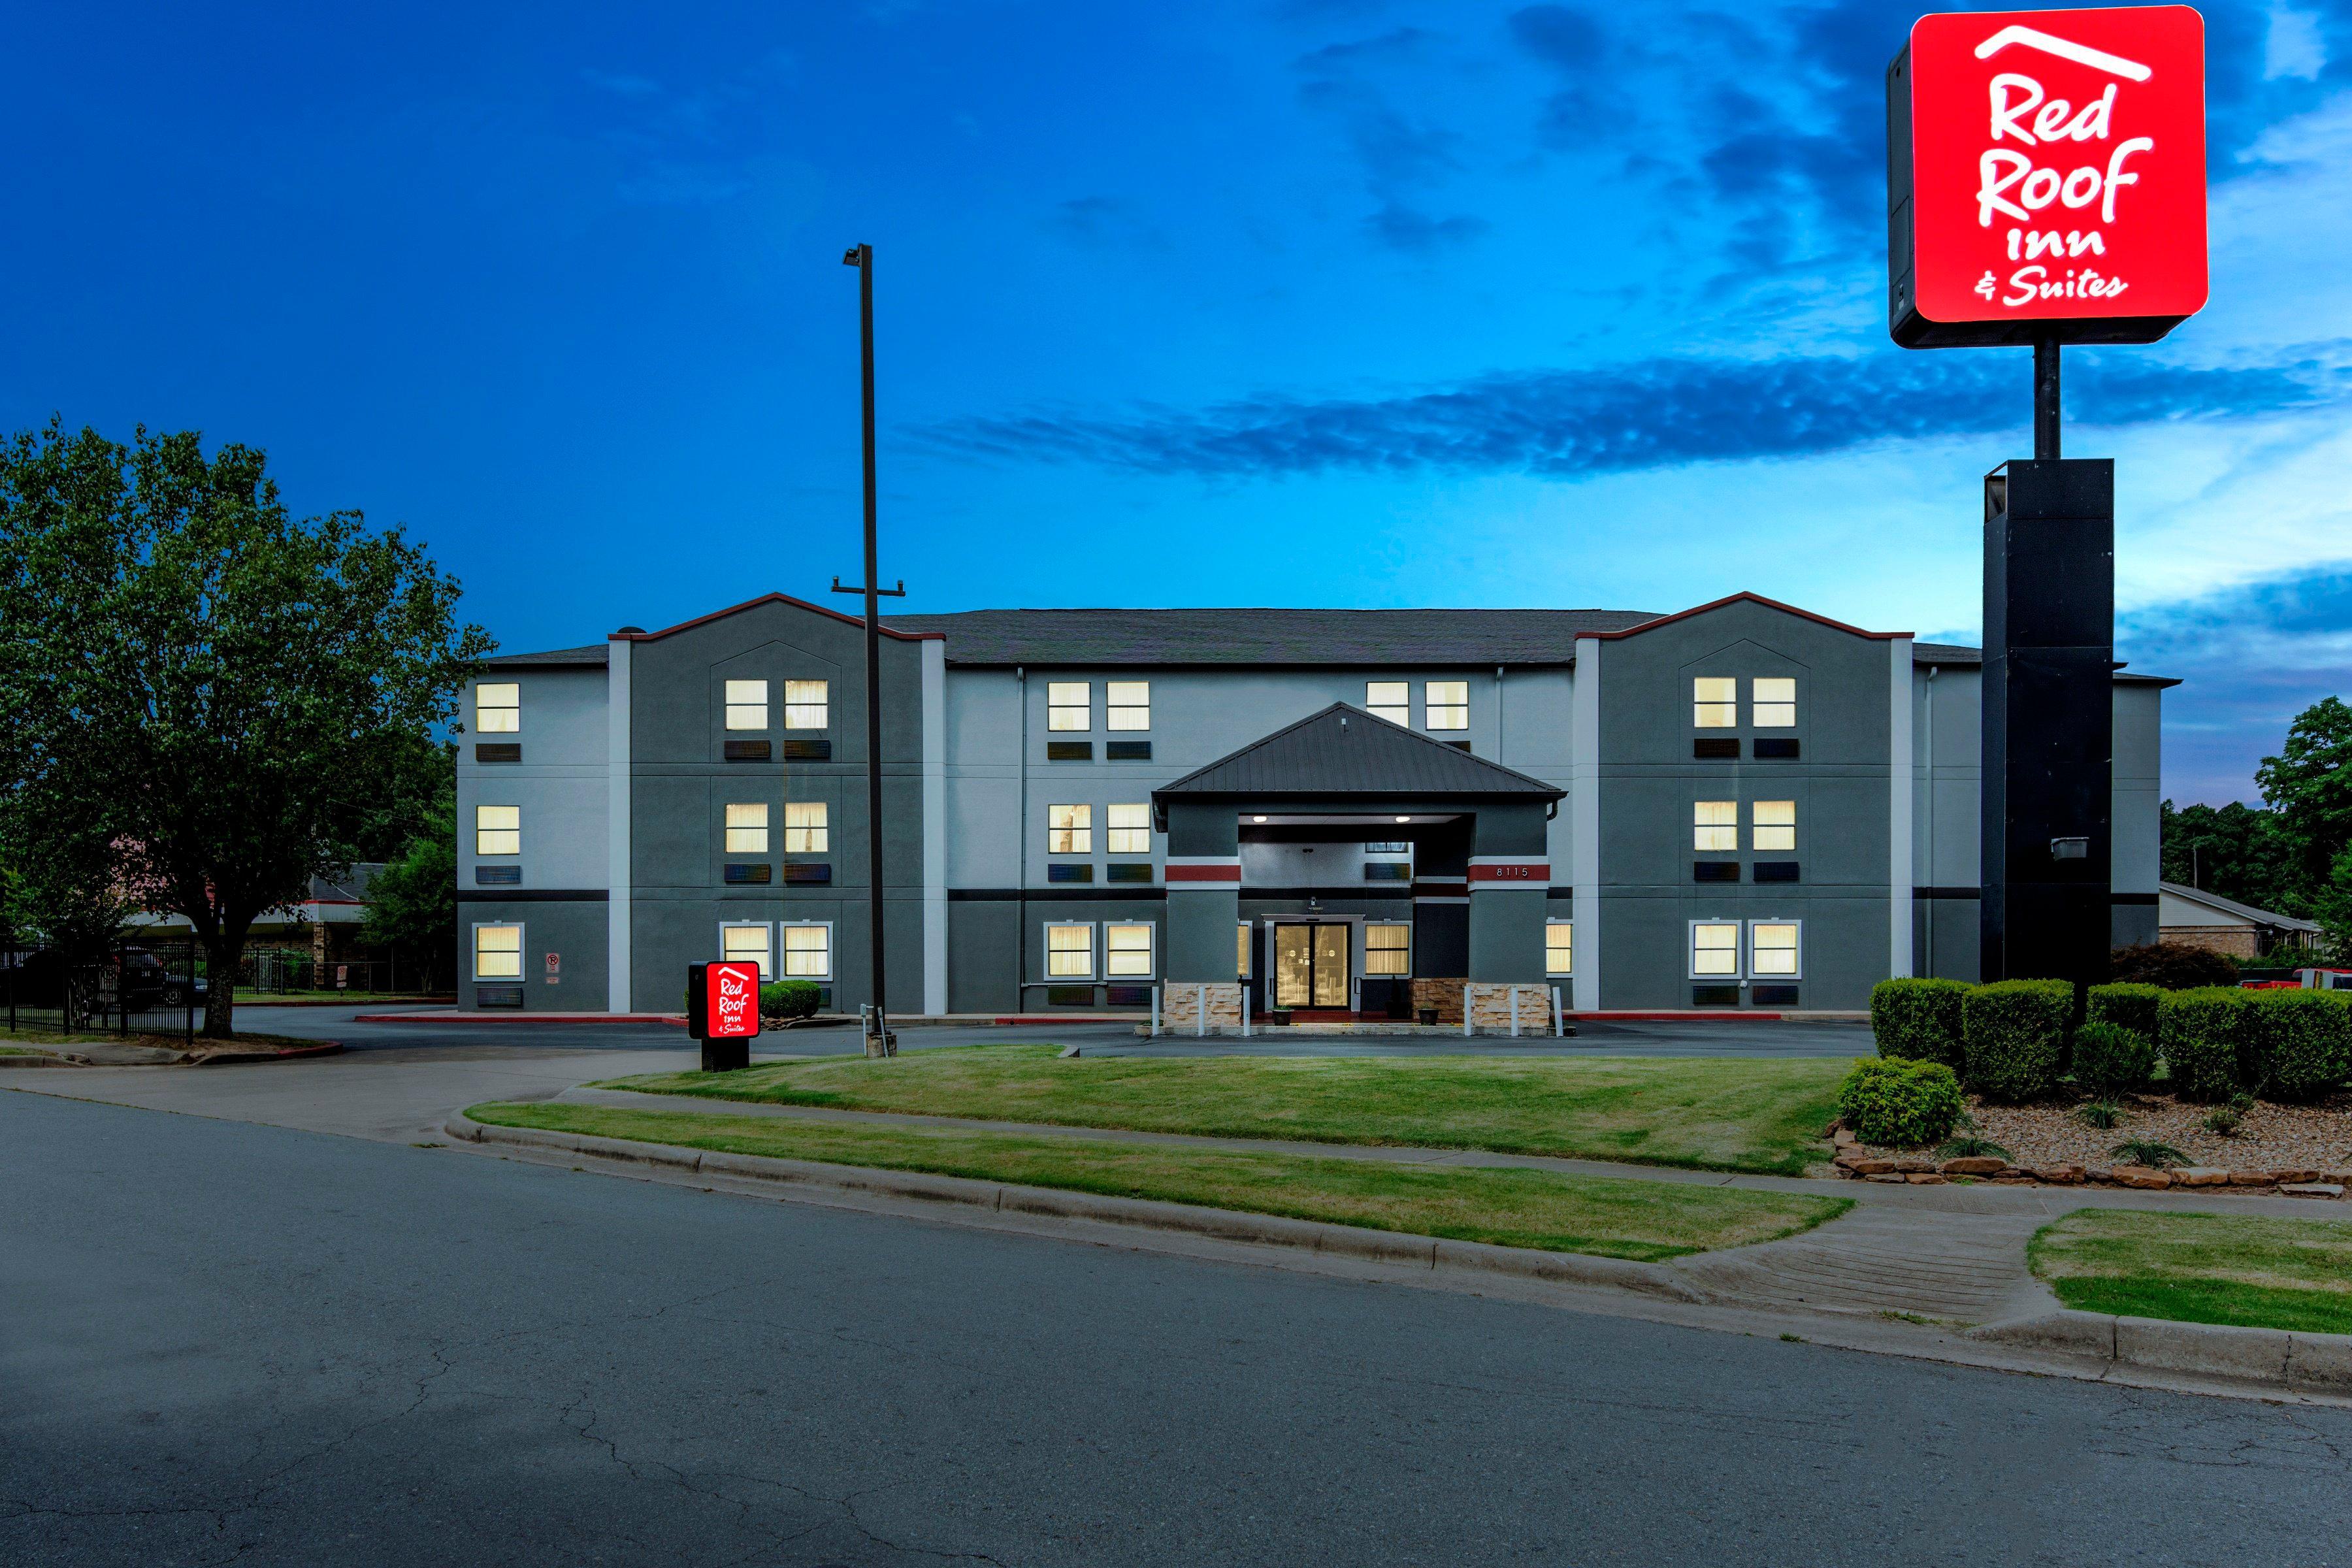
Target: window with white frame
{"type": "Point", "coordinates": [1070, 705]}
{"type": "Point", "coordinates": [1388, 948]}
{"type": "Point", "coordinates": [1714, 825]}
{"type": "Point", "coordinates": [1069, 830]}
{"type": "Point", "coordinates": [1069, 952]}
{"type": "Point", "coordinates": [497, 952]}
{"type": "Point", "coordinates": [1559, 948]}
{"type": "Point", "coordinates": [746, 944]}
{"type": "Point", "coordinates": [747, 827]}
{"type": "Point", "coordinates": [747, 704]}
{"type": "Point", "coordinates": [808, 950]}
{"type": "Point", "coordinates": [1128, 830]}
{"type": "Point", "coordinates": [1127, 951]}
{"type": "Point", "coordinates": [1775, 824]}
{"type": "Point", "coordinates": [1714, 949]}
{"type": "Point", "coordinates": [498, 709]}
{"type": "Point", "coordinates": [1775, 701]}
{"type": "Point", "coordinates": [1242, 951]}
{"type": "Point", "coordinates": [1390, 700]}
{"type": "Point", "coordinates": [1126, 705]}
{"type": "Point", "coordinates": [1448, 704]}
{"type": "Point", "coordinates": [806, 828]}
{"type": "Point", "coordinates": [807, 704]}
{"type": "Point", "coordinates": [1714, 702]}
{"type": "Point", "coordinates": [497, 830]}
{"type": "Point", "coordinates": [1774, 948]}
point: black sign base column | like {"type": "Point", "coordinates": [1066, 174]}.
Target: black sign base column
{"type": "Point", "coordinates": [2049, 719]}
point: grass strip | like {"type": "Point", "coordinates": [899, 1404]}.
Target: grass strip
{"type": "Point", "coordinates": [1705, 1113]}
{"type": "Point", "coordinates": [2249, 1271]}
{"type": "Point", "coordinates": [1608, 1217]}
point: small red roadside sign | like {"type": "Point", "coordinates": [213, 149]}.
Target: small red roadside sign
{"type": "Point", "coordinates": [723, 1000]}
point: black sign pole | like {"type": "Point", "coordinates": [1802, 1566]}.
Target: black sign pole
{"type": "Point", "coordinates": [2045, 400]}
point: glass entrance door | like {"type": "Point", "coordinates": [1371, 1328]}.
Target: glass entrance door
{"type": "Point", "coordinates": [1310, 965]}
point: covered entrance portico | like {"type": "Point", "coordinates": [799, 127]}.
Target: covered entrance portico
{"type": "Point", "coordinates": [1347, 867]}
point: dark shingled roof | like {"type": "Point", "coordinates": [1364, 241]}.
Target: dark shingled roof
{"type": "Point", "coordinates": [595, 653]}
{"type": "Point", "coordinates": [1258, 636]}
{"type": "Point", "coordinates": [1345, 751]}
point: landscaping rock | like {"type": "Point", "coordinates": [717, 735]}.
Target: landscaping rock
{"type": "Point", "coordinates": [2253, 1178]}
{"type": "Point", "coordinates": [2201, 1176]}
{"type": "Point", "coordinates": [2141, 1176]}
{"type": "Point", "coordinates": [1930, 1178]}
{"type": "Point", "coordinates": [2097, 1173]}
{"type": "Point", "coordinates": [1974, 1165]}
{"type": "Point", "coordinates": [1842, 1138]}
{"type": "Point", "coordinates": [1867, 1167]}
{"type": "Point", "coordinates": [1915, 1165]}
{"type": "Point", "coordinates": [2312, 1189]}
{"type": "Point", "coordinates": [2298, 1175]}
{"type": "Point", "coordinates": [2060, 1176]}
{"type": "Point", "coordinates": [1885, 1176]}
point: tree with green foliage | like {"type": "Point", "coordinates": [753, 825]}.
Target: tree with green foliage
{"type": "Point", "coordinates": [2309, 786]}
{"type": "Point", "coordinates": [2237, 850]}
{"type": "Point", "coordinates": [219, 689]}
{"type": "Point", "coordinates": [413, 902]}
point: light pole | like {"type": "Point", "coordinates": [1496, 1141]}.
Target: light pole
{"type": "Point", "coordinates": [878, 1042]}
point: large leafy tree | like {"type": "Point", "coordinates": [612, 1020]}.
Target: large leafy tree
{"type": "Point", "coordinates": [230, 693]}
{"type": "Point", "coordinates": [413, 902]}
{"type": "Point", "coordinates": [2237, 850]}
{"type": "Point", "coordinates": [2309, 784]}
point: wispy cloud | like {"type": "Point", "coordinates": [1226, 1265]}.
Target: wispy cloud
{"type": "Point", "coordinates": [1404, 157]}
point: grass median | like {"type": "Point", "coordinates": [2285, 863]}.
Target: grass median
{"type": "Point", "coordinates": [2251, 1270]}
{"type": "Point", "coordinates": [1708, 1113]}
{"type": "Point", "coordinates": [1512, 1207]}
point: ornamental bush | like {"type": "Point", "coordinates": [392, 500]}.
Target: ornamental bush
{"type": "Point", "coordinates": [2174, 965]}
{"type": "Point", "coordinates": [2013, 1036]}
{"type": "Point", "coordinates": [2109, 1057]}
{"type": "Point", "coordinates": [1890, 1100]}
{"type": "Point", "coordinates": [2303, 1041]}
{"type": "Point", "coordinates": [2125, 1006]}
{"type": "Point", "coordinates": [788, 999]}
{"type": "Point", "coordinates": [1918, 1020]}
{"type": "Point", "coordinates": [2204, 1034]}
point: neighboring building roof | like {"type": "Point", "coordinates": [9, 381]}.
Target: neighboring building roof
{"type": "Point", "coordinates": [1343, 750]}
{"type": "Point", "coordinates": [1266, 635]}
{"type": "Point", "coordinates": [1954, 655]}
{"type": "Point", "coordinates": [350, 888]}
{"type": "Point", "coordinates": [2242, 912]}
{"type": "Point", "coordinates": [596, 654]}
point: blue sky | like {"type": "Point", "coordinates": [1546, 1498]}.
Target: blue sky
{"type": "Point", "coordinates": [1306, 302]}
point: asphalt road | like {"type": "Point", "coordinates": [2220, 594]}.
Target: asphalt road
{"type": "Point", "coordinates": [226, 1341]}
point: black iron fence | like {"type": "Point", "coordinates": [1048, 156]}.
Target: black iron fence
{"type": "Point", "coordinates": [148, 988]}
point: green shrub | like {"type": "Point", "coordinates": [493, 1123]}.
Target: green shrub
{"type": "Point", "coordinates": [2013, 1036]}
{"type": "Point", "coordinates": [2109, 1057]}
{"type": "Point", "coordinates": [788, 999]}
{"type": "Point", "coordinates": [2174, 965]}
{"type": "Point", "coordinates": [2203, 1034]}
{"type": "Point", "coordinates": [1891, 1101]}
{"type": "Point", "coordinates": [1918, 1020]}
{"type": "Point", "coordinates": [2127, 1006]}
{"type": "Point", "coordinates": [2303, 1041]}
{"type": "Point", "coordinates": [2150, 1151]}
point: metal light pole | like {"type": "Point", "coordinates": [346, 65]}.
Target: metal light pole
{"type": "Point", "coordinates": [2045, 400]}
{"type": "Point", "coordinates": [878, 1042]}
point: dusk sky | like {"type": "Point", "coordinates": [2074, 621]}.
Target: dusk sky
{"type": "Point", "coordinates": [1310, 304]}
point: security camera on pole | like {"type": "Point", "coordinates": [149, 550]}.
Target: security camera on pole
{"type": "Point", "coordinates": [2046, 185]}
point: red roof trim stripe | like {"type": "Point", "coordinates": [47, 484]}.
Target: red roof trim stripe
{"type": "Point", "coordinates": [1736, 599]}
{"type": "Point", "coordinates": [771, 599]}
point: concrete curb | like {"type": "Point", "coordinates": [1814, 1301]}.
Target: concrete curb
{"type": "Point", "coordinates": [12, 1062]}
{"type": "Point", "coordinates": [1222, 1225]}
{"type": "Point", "coordinates": [290, 1053]}
{"type": "Point", "coordinates": [451, 1015]}
{"type": "Point", "coordinates": [2318, 1362]}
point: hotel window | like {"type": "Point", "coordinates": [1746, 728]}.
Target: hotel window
{"type": "Point", "coordinates": [805, 829]}
{"type": "Point", "coordinates": [808, 950]}
{"type": "Point", "coordinates": [1127, 830]}
{"type": "Point", "coordinates": [1714, 702]}
{"type": "Point", "coordinates": [747, 827]}
{"type": "Point", "coordinates": [1069, 952]}
{"type": "Point", "coordinates": [1070, 705]}
{"type": "Point", "coordinates": [1775, 824]}
{"type": "Point", "coordinates": [1559, 948]}
{"type": "Point", "coordinates": [1388, 948]}
{"type": "Point", "coordinates": [1242, 951]}
{"type": "Point", "coordinates": [1776, 701]}
{"type": "Point", "coordinates": [745, 944]}
{"type": "Point", "coordinates": [747, 704]}
{"type": "Point", "coordinates": [1448, 702]}
{"type": "Point", "coordinates": [497, 830]}
{"type": "Point", "coordinates": [805, 704]}
{"type": "Point", "coordinates": [1127, 951]}
{"type": "Point", "coordinates": [1069, 830]}
{"type": "Point", "coordinates": [1126, 705]}
{"type": "Point", "coordinates": [1714, 825]}
{"type": "Point", "coordinates": [1773, 949]}
{"type": "Point", "coordinates": [1714, 949]}
{"type": "Point", "coordinates": [497, 952]}
{"type": "Point", "coordinates": [1390, 700]}
{"type": "Point", "coordinates": [497, 709]}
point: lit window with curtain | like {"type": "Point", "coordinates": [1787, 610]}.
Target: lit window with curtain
{"type": "Point", "coordinates": [1714, 702]}
{"type": "Point", "coordinates": [497, 952]}
{"type": "Point", "coordinates": [808, 951]}
{"type": "Point", "coordinates": [1714, 825]}
{"type": "Point", "coordinates": [1775, 701]}
{"type": "Point", "coordinates": [1070, 705]}
{"type": "Point", "coordinates": [1390, 700]}
{"type": "Point", "coordinates": [1069, 830]}
{"type": "Point", "coordinates": [747, 827]}
{"type": "Point", "coordinates": [1559, 948]}
{"type": "Point", "coordinates": [1773, 949]}
{"type": "Point", "coordinates": [498, 709]}
{"type": "Point", "coordinates": [1241, 951]}
{"type": "Point", "coordinates": [747, 704]}
{"type": "Point", "coordinates": [497, 830]}
{"type": "Point", "coordinates": [1388, 948]}
{"type": "Point", "coordinates": [1128, 830]}
{"type": "Point", "coordinates": [1127, 951]}
{"type": "Point", "coordinates": [1126, 705]}
{"type": "Point", "coordinates": [746, 944]}
{"type": "Point", "coordinates": [806, 831]}
{"type": "Point", "coordinates": [1715, 949]}
{"type": "Point", "coordinates": [1069, 952]}
{"type": "Point", "coordinates": [1775, 824]}
{"type": "Point", "coordinates": [807, 704]}
{"type": "Point", "coordinates": [1448, 702]}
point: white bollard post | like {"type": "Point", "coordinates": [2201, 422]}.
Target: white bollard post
{"type": "Point", "coordinates": [1465, 1012]}
{"type": "Point", "coordinates": [1201, 1005]}
{"type": "Point", "coordinates": [1155, 1012]}
{"type": "Point", "coordinates": [1559, 1016]}
{"type": "Point", "coordinates": [1514, 1012]}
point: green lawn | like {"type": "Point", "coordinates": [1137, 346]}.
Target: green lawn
{"type": "Point", "coordinates": [2246, 1269]}
{"type": "Point", "coordinates": [1542, 1209]}
{"type": "Point", "coordinates": [1715, 1114]}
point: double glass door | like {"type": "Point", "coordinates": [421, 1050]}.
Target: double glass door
{"type": "Point", "coordinates": [1310, 965]}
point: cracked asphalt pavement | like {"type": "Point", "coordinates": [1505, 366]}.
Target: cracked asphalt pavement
{"type": "Point", "coordinates": [227, 1342]}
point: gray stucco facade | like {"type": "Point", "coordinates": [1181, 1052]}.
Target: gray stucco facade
{"type": "Point", "coordinates": [1739, 806]}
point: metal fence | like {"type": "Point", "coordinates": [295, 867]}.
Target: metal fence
{"type": "Point", "coordinates": [283, 971]}
{"type": "Point", "coordinates": [151, 987]}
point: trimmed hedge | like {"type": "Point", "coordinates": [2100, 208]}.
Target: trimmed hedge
{"type": "Point", "coordinates": [2207, 1038]}
{"type": "Point", "coordinates": [2109, 1057]}
{"type": "Point", "coordinates": [2013, 1036]}
{"type": "Point", "coordinates": [2303, 1041]}
{"type": "Point", "coordinates": [788, 999]}
{"type": "Point", "coordinates": [1891, 1101]}
{"type": "Point", "coordinates": [1918, 1020]}
{"type": "Point", "coordinates": [2174, 965]}
{"type": "Point", "coordinates": [2125, 1006]}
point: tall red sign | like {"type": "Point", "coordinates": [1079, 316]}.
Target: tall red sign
{"type": "Point", "coordinates": [2046, 176]}
{"type": "Point", "coordinates": [723, 1000]}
